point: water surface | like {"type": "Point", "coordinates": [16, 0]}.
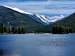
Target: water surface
{"type": "Point", "coordinates": [38, 44]}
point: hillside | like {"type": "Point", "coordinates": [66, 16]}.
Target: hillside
{"type": "Point", "coordinates": [67, 25]}
{"type": "Point", "coordinates": [13, 21]}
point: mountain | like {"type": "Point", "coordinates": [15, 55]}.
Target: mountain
{"type": "Point", "coordinates": [43, 19]}
{"type": "Point", "coordinates": [15, 19]}
{"type": "Point", "coordinates": [67, 25]}
{"type": "Point", "coordinates": [36, 17]}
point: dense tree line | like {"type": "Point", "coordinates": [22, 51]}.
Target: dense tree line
{"type": "Point", "coordinates": [61, 29]}
{"type": "Point", "coordinates": [22, 29]}
{"type": "Point", "coordinates": [12, 29]}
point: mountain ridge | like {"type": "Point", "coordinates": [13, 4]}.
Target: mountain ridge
{"type": "Point", "coordinates": [67, 25]}
{"type": "Point", "coordinates": [12, 21]}
{"type": "Point", "coordinates": [40, 18]}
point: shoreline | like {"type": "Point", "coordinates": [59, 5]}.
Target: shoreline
{"type": "Point", "coordinates": [34, 34]}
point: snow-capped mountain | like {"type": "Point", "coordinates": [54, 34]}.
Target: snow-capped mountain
{"type": "Point", "coordinates": [39, 18]}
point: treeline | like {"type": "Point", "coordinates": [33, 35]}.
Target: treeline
{"type": "Point", "coordinates": [22, 29]}
{"type": "Point", "coordinates": [12, 29]}
{"type": "Point", "coordinates": [61, 29]}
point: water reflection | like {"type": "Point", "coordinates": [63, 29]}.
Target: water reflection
{"type": "Point", "coordinates": [36, 45]}
{"type": "Point", "coordinates": [35, 51]}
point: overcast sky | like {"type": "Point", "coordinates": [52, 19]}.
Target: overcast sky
{"type": "Point", "coordinates": [62, 7]}
{"type": "Point", "coordinates": [33, 0]}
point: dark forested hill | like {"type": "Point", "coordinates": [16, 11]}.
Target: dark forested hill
{"type": "Point", "coordinates": [67, 25]}
{"type": "Point", "coordinates": [17, 21]}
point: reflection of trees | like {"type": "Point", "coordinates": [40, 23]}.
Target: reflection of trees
{"type": "Point", "coordinates": [1, 52]}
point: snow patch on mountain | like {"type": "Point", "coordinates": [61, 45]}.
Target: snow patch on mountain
{"type": "Point", "coordinates": [55, 18]}
{"type": "Point", "coordinates": [48, 19]}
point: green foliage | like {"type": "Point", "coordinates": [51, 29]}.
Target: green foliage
{"type": "Point", "coordinates": [67, 25]}
{"type": "Point", "coordinates": [61, 29]}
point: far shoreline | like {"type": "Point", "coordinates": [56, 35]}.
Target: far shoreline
{"type": "Point", "coordinates": [34, 34]}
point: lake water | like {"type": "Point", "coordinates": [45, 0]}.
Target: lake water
{"type": "Point", "coordinates": [38, 44]}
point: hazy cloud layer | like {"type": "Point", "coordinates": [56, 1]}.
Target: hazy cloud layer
{"type": "Point", "coordinates": [46, 7]}
{"type": "Point", "coordinates": [32, 0]}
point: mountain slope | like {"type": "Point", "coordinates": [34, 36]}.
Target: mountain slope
{"type": "Point", "coordinates": [43, 19]}
{"type": "Point", "coordinates": [67, 25]}
{"type": "Point", "coordinates": [17, 21]}
{"type": "Point", "coordinates": [36, 17]}
{"type": "Point", "coordinates": [9, 17]}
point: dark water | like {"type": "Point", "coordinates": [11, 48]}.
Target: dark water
{"type": "Point", "coordinates": [37, 45]}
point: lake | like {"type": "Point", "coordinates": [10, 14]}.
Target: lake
{"type": "Point", "coordinates": [37, 44]}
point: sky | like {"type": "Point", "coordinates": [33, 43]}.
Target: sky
{"type": "Point", "coordinates": [32, 0]}
{"type": "Point", "coordinates": [48, 7]}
